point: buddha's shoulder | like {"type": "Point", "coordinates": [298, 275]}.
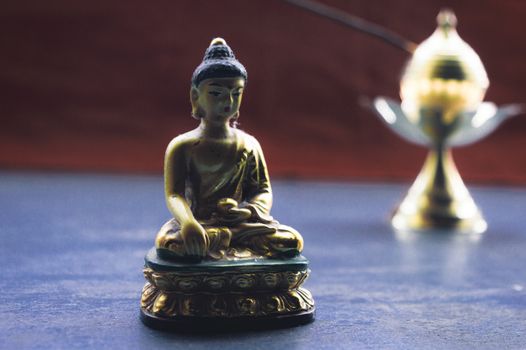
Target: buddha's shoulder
{"type": "Point", "coordinates": [183, 141]}
{"type": "Point", "coordinates": [249, 141]}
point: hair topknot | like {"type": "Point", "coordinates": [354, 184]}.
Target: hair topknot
{"type": "Point", "coordinates": [219, 62]}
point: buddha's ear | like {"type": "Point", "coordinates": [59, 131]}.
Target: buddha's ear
{"type": "Point", "coordinates": [194, 95]}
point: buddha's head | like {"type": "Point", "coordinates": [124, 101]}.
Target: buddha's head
{"type": "Point", "coordinates": [217, 84]}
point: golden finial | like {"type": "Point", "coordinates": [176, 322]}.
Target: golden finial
{"type": "Point", "coordinates": [218, 41]}
{"type": "Point", "coordinates": [446, 20]}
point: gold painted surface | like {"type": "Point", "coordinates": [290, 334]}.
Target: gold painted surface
{"type": "Point", "coordinates": [438, 199]}
{"type": "Point", "coordinates": [220, 282]}
{"type": "Point", "coordinates": [218, 190]}
{"type": "Point", "coordinates": [442, 91]}
{"type": "Point", "coordinates": [217, 185]}
{"type": "Point", "coordinates": [443, 79]}
{"type": "Point", "coordinates": [170, 305]}
{"type": "Point", "coordinates": [168, 294]}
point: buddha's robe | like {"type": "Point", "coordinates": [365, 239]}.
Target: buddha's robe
{"type": "Point", "coordinates": [246, 180]}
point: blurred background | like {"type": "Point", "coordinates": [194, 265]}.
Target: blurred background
{"type": "Point", "coordinates": [102, 86]}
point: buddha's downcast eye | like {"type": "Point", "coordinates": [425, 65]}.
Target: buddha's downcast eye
{"type": "Point", "coordinates": [215, 93]}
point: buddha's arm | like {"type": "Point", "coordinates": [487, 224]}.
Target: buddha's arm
{"type": "Point", "coordinates": [194, 235]}
{"type": "Point", "coordinates": [262, 201]}
{"type": "Point", "coordinates": [174, 183]}
{"type": "Point", "coordinates": [260, 198]}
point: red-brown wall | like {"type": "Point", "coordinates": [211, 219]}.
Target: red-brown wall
{"type": "Point", "coordinates": [103, 86]}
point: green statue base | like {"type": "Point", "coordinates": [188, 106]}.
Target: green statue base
{"type": "Point", "coordinates": [245, 293]}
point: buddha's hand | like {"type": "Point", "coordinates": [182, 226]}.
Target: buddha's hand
{"type": "Point", "coordinates": [230, 213]}
{"type": "Point", "coordinates": [195, 239]}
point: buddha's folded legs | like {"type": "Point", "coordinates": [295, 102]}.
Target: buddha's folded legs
{"type": "Point", "coordinates": [270, 240]}
{"type": "Point", "coordinates": [284, 241]}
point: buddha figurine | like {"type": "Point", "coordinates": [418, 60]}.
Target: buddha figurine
{"type": "Point", "coordinates": [222, 262]}
{"type": "Point", "coordinates": [216, 180]}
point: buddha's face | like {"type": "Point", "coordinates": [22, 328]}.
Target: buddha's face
{"type": "Point", "coordinates": [218, 99]}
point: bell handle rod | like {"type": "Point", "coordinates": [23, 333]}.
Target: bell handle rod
{"type": "Point", "coordinates": [357, 23]}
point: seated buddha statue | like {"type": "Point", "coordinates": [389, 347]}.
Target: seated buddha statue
{"type": "Point", "coordinates": [216, 180]}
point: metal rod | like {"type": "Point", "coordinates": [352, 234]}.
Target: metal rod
{"type": "Point", "coordinates": [357, 23]}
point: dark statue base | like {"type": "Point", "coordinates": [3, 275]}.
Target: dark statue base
{"type": "Point", "coordinates": [238, 294]}
{"type": "Point", "coordinates": [212, 325]}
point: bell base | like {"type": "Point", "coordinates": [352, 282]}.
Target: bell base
{"type": "Point", "coordinates": [189, 324]}
{"type": "Point", "coordinates": [430, 222]}
{"type": "Point", "coordinates": [438, 200]}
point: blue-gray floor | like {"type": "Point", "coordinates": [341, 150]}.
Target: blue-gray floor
{"type": "Point", "coordinates": [71, 268]}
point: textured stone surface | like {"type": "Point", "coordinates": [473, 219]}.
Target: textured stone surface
{"type": "Point", "coordinates": [72, 248]}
